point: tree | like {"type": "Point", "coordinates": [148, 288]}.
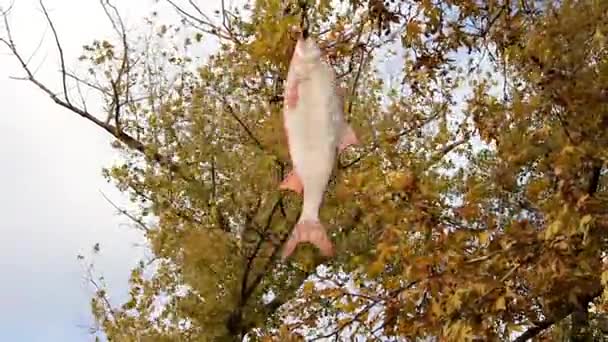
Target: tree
{"type": "Point", "coordinates": [474, 209]}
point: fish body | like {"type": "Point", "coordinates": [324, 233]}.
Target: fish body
{"type": "Point", "coordinates": [316, 133]}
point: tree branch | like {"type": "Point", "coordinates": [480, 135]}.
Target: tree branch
{"type": "Point", "coordinates": [132, 217]}
{"type": "Point", "coordinates": [594, 183]}
{"type": "Point", "coordinates": [204, 24]}
{"type": "Point", "coordinates": [60, 49]}
{"type": "Point", "coordinates": [546, 324]}
{"type": "Point", "coordinates": [246, 290]}
{"type": "Point", "coordinates": [125, 138]}
{"type": "Point", "coordinates": [116, 84]}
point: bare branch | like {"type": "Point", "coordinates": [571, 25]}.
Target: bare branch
{"type": "Point", "coordinates": [8, 9]}
{"type": "Point", "coordinates": [395, 137]}
{"type": "Point", "coordinates": [97, 87]}
{"type": "Point", "coordinates": [119, 27]}
{"type": "Point", "coordinates": [204, 24]}
{"type": "Point", "coordinates": [249, 132]}
{"type": "Point", "coordinates": [37, 48]}
{"type": "Point", "coordinates": [99, 290]}
{"type": "Point", "coordinates": [60, 49]}
{"type": "Point", "coordinates": [364, 56]}
{"type": "Point", "coordinates": [107, 6]}
{"type": "Point", "coordinates": [199, 11]}
{"type": "Point", "coordinates": [125, 138]}
{"type": "Point", "coordinates": [373, 301]}
{"type": "Point", "coordinates": [139, 222]}
{"type": "Point", "coordinates": [232, 112]}
{"type": "Point", "coordinates": [82, 99]}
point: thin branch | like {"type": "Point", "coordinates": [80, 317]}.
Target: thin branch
{"type": "Point", "coordinates": [105, 4]}
{"type": "Point", "coordinates": [60, 49]}
{"type": "Point", "coordinates": [249, 132]}
{"type": "Point", "coordinates": [366, 309]}
{"type": "Point", "coordinates": [364, 56]}
{"type": "Point", "coordinates": [82, 99]}
{"type": "Point", "coordinates": [570, 308]}
{"type": "Point", "coordinates": [272, 258]}
{"type": "Point", "coordinates": [336, 333]}
{"type": "Point", "coordinates": [37, 47]}
{"type": "Point", "coordinates": [199, 11]}
{"type": "Point", "coordinates": [395, 137]}
{"type": "Point", "coordinates": [124, 67]}
{"type": "Point", "coordinates": [245, 290]}
{"type": "Point", "coordinates": [595, 179]}
{"type": "Point", "coordinates": [445, 150]}
{"type": "Point", "coordinates": [204, 24]}
{"type": "Point", "coordinates": [537, 329]}
{"type": "Point", "coordinates": [100, 292]}
{"type": "Point", "coordinates": [225, 21]}
{"type": "Point", "coordinates": [139, 222]}
{"type": "Point", "coordinates": [232, 112]}
{"type": "Point", "coordinates": [125, 138]}
{"type": "Point", "coordinates": [78, 79]}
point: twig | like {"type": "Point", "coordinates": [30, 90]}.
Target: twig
{"type": "Point", "coordinates": [232, 112]}
{"type": "Point", "coordinates": [88, 84]}
{"type": "Point", "coordinates": [124, 67]}
{"type": "Point", "coordinates": [139, 222]}
{"type": "Point", "coordinates": [60, 49]}
{"type": "Point", "coordinates": [204, 24]}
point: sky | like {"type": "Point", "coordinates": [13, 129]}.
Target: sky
{"type": "Point", "coordinates": [51, 202]}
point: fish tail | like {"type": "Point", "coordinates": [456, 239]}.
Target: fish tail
{"type": "Point", "coordinates": [311, 231]}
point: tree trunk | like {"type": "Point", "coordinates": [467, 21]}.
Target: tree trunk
{"type": "Point", "coordinates": [580, 331]}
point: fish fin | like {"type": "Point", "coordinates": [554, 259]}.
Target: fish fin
{"type": "Point", "coordinates": [291, 95]}
{"type": "Point", "coordinates": [292, 182]}
{"type": "Point", "coordinates": [297, 51]}
{"type": "Point", "coordinates": [349, 137]}
{"type": "Point", "coordinates": [309, 231]}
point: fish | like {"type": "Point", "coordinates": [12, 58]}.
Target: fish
{"type": "Point", "coordinates": [317, 133]}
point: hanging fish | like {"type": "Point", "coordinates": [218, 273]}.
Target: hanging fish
{"type": "Point", "coordinates": [316, 133]}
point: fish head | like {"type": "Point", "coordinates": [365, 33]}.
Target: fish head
{"type": "Point", "coordinates": [306, 56]}
{"type": "Point", "coordinates": [307, 51]}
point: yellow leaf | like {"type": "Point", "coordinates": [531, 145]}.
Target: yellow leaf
{"type": "Point", "coordinates": [344, 322]}
{"type": "Point", "coordinates": [454, 302]}
{"type": "Point", "coordinates": [436, 308]}
{"type": "Point", "coordinates": [585, 220]}
{"type": "Point", "coordinates": [553, 229]}
{"type": "Point", "coordinates": [376, 268]}
{"type": "Point", "coordinates": [500, 304]}
{"type": "Point", "coordinates": [514, 327]}
{"type": "Point", "coordinates": [309, 286]}
{"type": "Point", "coordinates": [347, 306]}
{"type": "Point", "coordinates": [484, 237]}
{"type": "Point", "coordinates": [568, 149]}
{"type": "Point", "coordinates": [413, 29]}
{"type": "Point", "coordinates": [604, 278]}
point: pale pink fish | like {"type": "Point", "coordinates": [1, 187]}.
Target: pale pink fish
{"type": "Point", "coordinates": [316, 133]}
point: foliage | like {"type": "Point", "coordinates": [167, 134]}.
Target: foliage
{"type": "Point", "coordinates": [474, 209]}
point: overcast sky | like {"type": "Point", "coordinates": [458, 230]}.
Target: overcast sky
{"type": "Point", "coordinates": [50, 183]}
{"type": "Point", "coordinates": [51, 202]}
